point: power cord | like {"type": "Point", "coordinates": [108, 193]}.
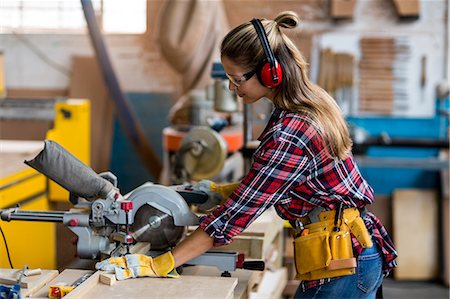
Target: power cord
{"type": "Point", "coordinates": [7, 249]}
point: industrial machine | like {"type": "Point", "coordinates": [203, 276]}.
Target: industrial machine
{"type": "Point", "coordinates": [198, 148]}
{"type": "Point", "coordinates": [204, 141]}
{"type": "Point", "coordinates": [25, 124]}
{"type": "Point", "coordinates": [107, 223]}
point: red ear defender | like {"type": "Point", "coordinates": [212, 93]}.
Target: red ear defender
{"type": "Point", "coordinates": [270, 76]}
{"type": "Point", "coordinates": [269, 71]}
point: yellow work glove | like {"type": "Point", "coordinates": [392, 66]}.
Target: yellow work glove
{"type": "Point", "coordinates": [217, 193]}
{"type": "Point", "coordinates": [140, 265]}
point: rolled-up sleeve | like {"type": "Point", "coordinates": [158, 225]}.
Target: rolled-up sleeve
{"type": "Point", "coordinates": [278, 165]}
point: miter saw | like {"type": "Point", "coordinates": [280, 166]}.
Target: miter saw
{"type": "Point", "coordinates": [106, 222]}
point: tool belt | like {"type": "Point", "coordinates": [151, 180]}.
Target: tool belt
{"type": "Point", "coordinates": [323, 249]}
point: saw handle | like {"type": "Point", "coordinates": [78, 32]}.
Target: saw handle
{"type": "Point", "coordinates": [193, 196]}
{"type": "Point", "coordinates": [254, 265]}
{"type": "Point", "coordinates": [249, 265]}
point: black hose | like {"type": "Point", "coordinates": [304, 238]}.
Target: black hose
{"type": "Point", "coordinates": [7, 249]}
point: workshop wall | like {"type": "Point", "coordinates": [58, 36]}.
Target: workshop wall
{"type": "Point", "coordinates": [141, 68]}
{"type": "Point", "coordinates": [43, 61]}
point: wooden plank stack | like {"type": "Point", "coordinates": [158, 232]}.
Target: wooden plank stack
{"type": "Point", "coordinates": [415, 225]}
{"type": "Point", "coordinates": [336, 77]}
{"type": "Point", "coordinates": [383, 74]}
{"type": "Point", "coordinates": [29, 285]}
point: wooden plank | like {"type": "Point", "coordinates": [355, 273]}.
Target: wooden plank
{"type": "Point", "coordinates": [377, 40]}
{"type": "Point", "coordinates": [83, 289]}
{"type": "Point", "coordinates": [32, 283]}
{"type": "Point", "coordinates": [383, 85]}
{"type": "Point", "coordinates": [368, 92]}
{"type": "Point", "coordinates": [272, 284]}
{"type": "Point", "coordinates": [375, 65]}
{"type": "Point", "coordinates": [342, 8]}
{"type": "Point", "coordinates": [407, 8]}
{"type": "Point", "coordinates": [445, 193]}
{"type": "Point", "coordinates": [415, 227]}
{"type": "Point", "coordinates": [445, 237]}
{"type": "Point", "coordinates": [246, 279]}
{"type": "Point", "coordinates": [152, 287]}
{"type": "Point", "coordinates": [108, 278]}
{"type": "Point", "coordinates": [66, 277]}
{"type": "Point", "coordinates": [368, 75]}
{"type": "Point", "coordinates": [11, 281]}
{"type": "Point", "coordinates": [376, 106]}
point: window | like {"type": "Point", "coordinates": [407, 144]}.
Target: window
{"type": "Point", "coordinates": [115, 16]}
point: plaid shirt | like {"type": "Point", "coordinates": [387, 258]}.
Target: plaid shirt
{"type": "Point", "coordinates": [293, 172]}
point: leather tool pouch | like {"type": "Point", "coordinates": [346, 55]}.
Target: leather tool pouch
{"type": "Point", "coordinates": [325, 253]}
{"type": "Point", "coordinates": [312, 252]}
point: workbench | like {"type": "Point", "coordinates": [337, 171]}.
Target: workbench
{"type": "Point", "coordinates": [261, 240]}
{"type": "Point", "coordinates": [186, 286]}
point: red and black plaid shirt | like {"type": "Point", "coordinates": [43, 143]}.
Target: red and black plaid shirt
{"type": "Point", "coordinates": [293, 172]}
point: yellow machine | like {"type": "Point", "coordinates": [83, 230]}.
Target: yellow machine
{"type": "Point", "coordinates": [34, 243]}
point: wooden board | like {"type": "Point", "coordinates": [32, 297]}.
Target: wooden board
{"type": "Point", "coordinates": [35, 283]}
{"type": "Point", "coordinates": [150, 287]}
{"type": "Point", "coordinates": [407, 8]}
{"type": "Point", "coordinates": [415, 228]}
{"type": "Point", "coordinates": [445, 237]}
{"type": "Point", "coordinates": [342, 8]}
{"type": "Point", "coordinates": [272, 285]}
{"type": "Point", "coordinates": [247, 280]}
{"type": "Point", "coordinates": [445, 193]}
{"type": "Point", "coordinates": [67, 277]}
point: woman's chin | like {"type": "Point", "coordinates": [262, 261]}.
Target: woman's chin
{"type": "Point", "coordinates": [247, 100]}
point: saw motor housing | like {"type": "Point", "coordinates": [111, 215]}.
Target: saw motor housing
{"type": "Point", "coordinates": [105, 222]}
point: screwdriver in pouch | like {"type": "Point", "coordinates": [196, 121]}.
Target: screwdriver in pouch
{"type": "Point", "coordinates": [300, 228]}
{"type": "Point", "coordinates": [337, 217]}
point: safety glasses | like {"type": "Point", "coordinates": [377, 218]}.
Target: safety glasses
{"type": "Point", "coordinates": [238, 81]}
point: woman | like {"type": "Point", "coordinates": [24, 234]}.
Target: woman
{"type": "Point", "coordinates": [304, 160]}
{"type": "Point", "coordinates": [302, 166]}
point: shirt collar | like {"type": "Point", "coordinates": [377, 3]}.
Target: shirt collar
{"type": "Point", "coordinates": [275, 116]}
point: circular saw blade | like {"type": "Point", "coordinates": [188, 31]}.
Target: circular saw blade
{"type": "Point", "coordinates": [156, 227]}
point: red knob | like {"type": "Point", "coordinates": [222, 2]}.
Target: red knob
{"type": "Point", "coordinates": [73, 222]}
{"type": "Point", "coordinates": [240, 261]}
{"type": "Point", "coordinates": [126, 205]}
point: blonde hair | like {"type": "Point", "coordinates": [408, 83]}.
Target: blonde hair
{"type": "Point", "coordinates": [296, 93]}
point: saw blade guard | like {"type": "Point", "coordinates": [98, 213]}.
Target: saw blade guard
{"type": "Point", "coordinates": [160, 216]}
{"type": "Point", "coordinates": [166, 200]}
{"type": "Point", "coordinates": [61, 166]}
